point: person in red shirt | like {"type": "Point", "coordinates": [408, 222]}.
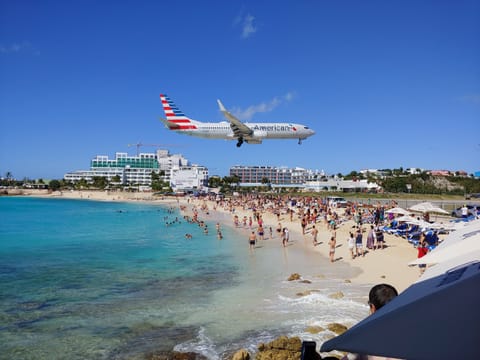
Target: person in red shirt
{"type": "Point", "coordinates": [422, 249]}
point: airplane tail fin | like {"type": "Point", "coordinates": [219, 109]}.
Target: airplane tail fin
{"type": "Point", "coordinates": [175, 118]}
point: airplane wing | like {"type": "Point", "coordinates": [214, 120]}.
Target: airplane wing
{"type": "Point", "coordinates": [239, 128]}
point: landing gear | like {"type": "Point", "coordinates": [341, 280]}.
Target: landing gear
{"type": "Point", "coordinates": [240, 142]}
{"type": "Point", "coordinates": [299, 141]}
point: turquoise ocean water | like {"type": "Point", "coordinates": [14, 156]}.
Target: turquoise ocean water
{"type": "Point", "coordinates": [107, 280]}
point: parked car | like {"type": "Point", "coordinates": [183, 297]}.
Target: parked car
{"type": "Point", "coordinates": [472, 210]}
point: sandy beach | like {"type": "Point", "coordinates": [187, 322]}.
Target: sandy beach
{"type": "Point", "coordinates": [388, 265]}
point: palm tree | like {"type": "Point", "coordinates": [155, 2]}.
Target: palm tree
{"type": "Point", "coordinates": [9, 178]}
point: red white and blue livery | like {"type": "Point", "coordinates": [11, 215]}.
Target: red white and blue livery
{"type": "Point", "coordinates": [234, 129]}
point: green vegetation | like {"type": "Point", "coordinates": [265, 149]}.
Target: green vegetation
{"type": "Point", "coordinates": [159, 184]}
{"type": "Point", "coordinates": [395, 183]}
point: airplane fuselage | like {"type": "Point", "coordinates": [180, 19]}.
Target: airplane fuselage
{"type": "Point", "coordinates": [251, 133]}
{"type": "Point", "coordinates": [222, 130]}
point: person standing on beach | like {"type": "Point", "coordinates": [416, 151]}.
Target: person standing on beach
{"type": "Point", "coordinates": [252, 240]}
{"type": "Point", "coordinates": [379, 237]}
{"type": "Point", "coordinates": [351, 244]}
{"type": "Point", "coordinates": [314, 234]}
{"type": "Point", "coordinates": [358, 217]}
{"type": "Point", "coordinates": [260, 232]}
{"type": "Point", "coordinates": [422, 249]}
{"type": "Point", "coordinates": [304, 224]}
{"type": "Point", "coordinates": [285, 236]}
{"type": "Point", "coordinates": [359, 243]}
{"type": "Point", "coordinates": [332, 243]}
{"type": "Point", "coordinates": [371, 239]}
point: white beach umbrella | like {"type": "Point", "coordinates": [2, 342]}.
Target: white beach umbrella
{"type": "Point", "coordinates": [408, 219]}
{"type": "Point", "coordinates": [424, 224]}
{"type": "Point", "coordinates": [470, 246]}
{"type": "Point", "coordinates": [427, 207]}
{"type": "Point", "coordinates": [417, 323]}
{"type": "Point", "coordinates": [461, 233]}
{"type": "Point", "coordinates": [398, 210]}
{"type": "Point", "coordinates": [439, 226]}
{"type": "Point", "coordinates": [458, 244]}
{"type": "Point", "coordinates": [452, 263]}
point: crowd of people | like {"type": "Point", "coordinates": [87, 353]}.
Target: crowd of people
{"type": "Point", "coordinates": [317, 218]}
{"type": "Point", "coordinates": [313, 215]}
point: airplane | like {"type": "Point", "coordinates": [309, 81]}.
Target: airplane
{"type": "Point", "coordinates": [251, 133]}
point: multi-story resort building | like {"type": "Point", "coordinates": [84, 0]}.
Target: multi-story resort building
{"type": "Point", "coordinates": [257, 175]}
{"type": "Point", "coordinates": [137, 170]}
{"type": "Point", "coordinates": [308, 180]}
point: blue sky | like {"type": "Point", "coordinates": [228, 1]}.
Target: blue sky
{"type": "Point", "coordinates": [385, 84]}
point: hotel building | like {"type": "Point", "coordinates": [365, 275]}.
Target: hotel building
{"type": "Point", "coordinates": [137, 170]}
{"type": "Point", "coordinates": [254, 175]}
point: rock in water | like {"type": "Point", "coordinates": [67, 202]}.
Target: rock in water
{"type": "Point", "coordinates": [294, 276]}
{"type": "Point", "coordinates": [337, 295]}
{"type": "Point", "coordinates": [282, 348]}
{"type": "Point", "coordinates": [314, 329]}
{"type": "Point", "coordinates": [337, 328]}
{"type": "Point", "coordinates": [241, 355]}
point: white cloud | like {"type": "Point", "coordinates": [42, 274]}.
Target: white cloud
{"type": "Point", "coordinates": [18, 47]}
{"type": "Point", "coordinates": [247, 24]}
{"type": "Point", "coordinates": [474, 98]}
{"type": "Point", "coordinates": [264, 107]}
{"type": "Point", "coordinates": [249, 27]}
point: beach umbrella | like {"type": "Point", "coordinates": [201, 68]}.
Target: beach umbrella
{"type": "Point", "coordinates": [424, 224]}
{"type": "Point", "coordinates": [408, 219]}
{"type": "Point", "coordinates": [470, 246]}
{"type": "Point", "coordinates": [398, 210]}
{"type": "Point", "coordinates": [463, 243]}
{"type": "Point", "coordinates": [418, 324]}
{"type": "Point", "coordinates": [427, 207]}
{"type": "Point", "coordinates": [442, 267]}
{"type": "Point", "coordinates": [441, 226]}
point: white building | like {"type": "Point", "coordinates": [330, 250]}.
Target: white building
{"type": "Point", "coordinates": [336, 184]}
{"type": "Point", "coordinates": [193, 177]}
{"type": "Point", "coordinates": [130, 170]}
{"type": "Point", "coordinates": [167, 161]}
{"type": "Point", "coordinates": [250, 175]}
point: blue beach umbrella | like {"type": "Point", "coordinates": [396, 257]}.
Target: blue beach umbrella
{"type": "Point", "coordinates": [437, 318]}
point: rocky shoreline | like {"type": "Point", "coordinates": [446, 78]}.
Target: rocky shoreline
{"type": "Point", "coordinates": [281, 348]}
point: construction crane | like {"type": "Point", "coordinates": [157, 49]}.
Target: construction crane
{"type": "Point", "coordinates": [138, 145]}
